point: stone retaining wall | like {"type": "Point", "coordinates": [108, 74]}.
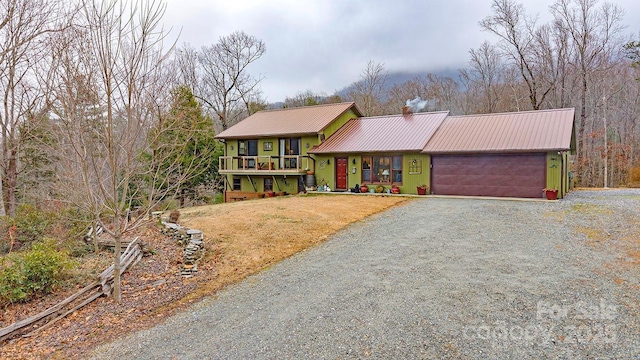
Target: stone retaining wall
{"type": "Point", "coordinates": [193, 243]}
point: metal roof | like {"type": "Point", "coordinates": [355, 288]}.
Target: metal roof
{"type": "Point", "coordinates": [383, 134]}
{"type": "Point", "coordinates": [505, 132]}
{"type": "Point", "coordinates": [290, 121]}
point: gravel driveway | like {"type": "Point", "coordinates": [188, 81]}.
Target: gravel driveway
{"type": "Point", "coordinates": [435, 278]}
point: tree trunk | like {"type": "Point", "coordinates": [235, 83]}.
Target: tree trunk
{"type": "Point", "coordinates": [94, 237]}
{"type": "Point", "coordinates": [10, 183]}
{"type": "Point", "coordinates": [582, 134]}
{"type": "Point", "coordinates": [117, 293]}
{"type": "Point", "coordinates": [3, 212]}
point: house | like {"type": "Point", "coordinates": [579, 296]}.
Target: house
{"type": "Point", "coordinates": [509, 155]}
{"type": "Point", "coordinates": [268, 151]}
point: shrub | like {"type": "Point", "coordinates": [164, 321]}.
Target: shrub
{"type": "Point", "coordinates": [28, 225]}
{"type": "Point", "coordinates": [34, 272]}
{"type": "Point", "coordinates": [634, 177]}
{"type": "Point", "coordinates": [174, 216]}
{"type": "Point", "coordinates": [32, 224]}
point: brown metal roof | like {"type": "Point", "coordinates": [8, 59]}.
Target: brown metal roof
{"type": "Point", "coordinates": [383, 134]}
{"type": "Point", "coordinates": [290, 121]}
{"type": "Point", "coordinates": [505, 132]}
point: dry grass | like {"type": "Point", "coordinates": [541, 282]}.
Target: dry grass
{"type": "Point", "coordinates": [252, 235]}
{"type": "Point", "coordinates": [631, 246]}
{"type": "Point", "coordinates": [594, 237]}
{"type": "Point", "coordinates": [242, 238]}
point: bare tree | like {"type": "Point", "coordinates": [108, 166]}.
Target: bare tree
{"type": "Point", "coordinates": [523, 43]}
{"type": "Point", "coordinates": [22, 28]}
{"type": "Point", "coordinates": [369, 92]}
{"type": "Point", "coordinates": [112, 87]}
{"type": "Point", "coordinates": [484, 74]}
{"type": "Point", "coordinates": [438, 93]}
{"type": "Point", "coordinates": [218, 75]}
{"type": "Point", "coordinates": [310, 98]}
{"type": "Point", "coordinates": [594, 36]}
{"type": "Point", "coordinates": [121, 140]}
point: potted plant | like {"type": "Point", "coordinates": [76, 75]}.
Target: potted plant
{"type": "Point", "coordinates": [379, 189]}
{"type": "Point", "coordinates": [551, 194]}
{"type": "Point", "coordinates": [423, 189]}
{"type": "Point", "coordinates": [364, 188]}
{"type": "Point", "coordinates": [395, 189]}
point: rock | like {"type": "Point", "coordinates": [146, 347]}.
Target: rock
{"type": "Point", "coordinates": [192, 240]}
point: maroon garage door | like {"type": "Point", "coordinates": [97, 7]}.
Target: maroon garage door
{"type": "Point", "coordinates": [513, 175]}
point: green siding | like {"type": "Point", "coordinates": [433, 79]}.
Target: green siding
{"type": "Point", "coordinates": [554, 172]}
{"type": "Point", "coordinates": [558, 172]}
{"type": "Point", "coordinates": [308, 142]}
{"type": "Point", "coordinates": [231, 148]}
{"type": "Point", "coordinates": [565, 174]}
{"type": "Point", "coordinates": [312, 140]}
{"type": "Point", "coordinates": [422, 176]}
{"type": "Point", "coordinates": [290, 184]}
{"type": "Point", "coordinates": [338, 123]}
{"type": "Point", "coordinates": [325, 173]}
{"type": "Point", "coordinates": [410, 181]}
{"type": "Point", "coordinates": [354, 178]}
{"type": "Point", "coordinates": [245, 184]}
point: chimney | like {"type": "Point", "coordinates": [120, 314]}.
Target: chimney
{"type": "Point", "coordinates": [407, 111]}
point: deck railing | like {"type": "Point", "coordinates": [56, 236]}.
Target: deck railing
{"type": "Point", "coordinates": [289, 163]}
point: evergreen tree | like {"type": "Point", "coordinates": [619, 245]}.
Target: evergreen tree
{"type": "Point", "coordinates": [183, 145]}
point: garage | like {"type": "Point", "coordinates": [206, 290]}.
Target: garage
{"type": "Point", "coordinates": [502, 175]}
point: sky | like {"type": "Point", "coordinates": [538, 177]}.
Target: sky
{"type": "Point", "coordinates": [323, 45]}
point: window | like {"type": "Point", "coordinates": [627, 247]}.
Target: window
{"type": "Point", "coordinates": [289, 151]}
{"type": "Point", "coordinates": [396, 169]}
{"type": "Point", "coordinates": [247, 148]}
{"type": "Point", "coordinates": [268, 184]}
{"type": "Point", "coordinates": [366, 169]}
{"type": "Point", "coordinates": [237, 183]}
{"type": "Point", "coordinates": [382, 169]}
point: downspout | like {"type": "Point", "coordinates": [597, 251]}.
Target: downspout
{"type": "Point", "coordinates": [562, 168]}
{"type": "Point", "coordinates": [313, 168]}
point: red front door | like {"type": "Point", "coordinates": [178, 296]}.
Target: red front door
{"type": "Point", "coordinates": [341, 173]}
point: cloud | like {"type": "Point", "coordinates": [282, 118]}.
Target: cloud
{"type": "Point", "coordinates": [324, 45]}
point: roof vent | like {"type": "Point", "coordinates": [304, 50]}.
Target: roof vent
{"type": "Point", "coordinates": [407, 111]}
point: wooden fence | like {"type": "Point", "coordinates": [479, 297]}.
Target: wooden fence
{"type": "Point", "coordinates": [101, 287]}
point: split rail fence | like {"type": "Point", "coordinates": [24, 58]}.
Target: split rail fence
{"type": "Point", "coordinates": [101, 287]}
